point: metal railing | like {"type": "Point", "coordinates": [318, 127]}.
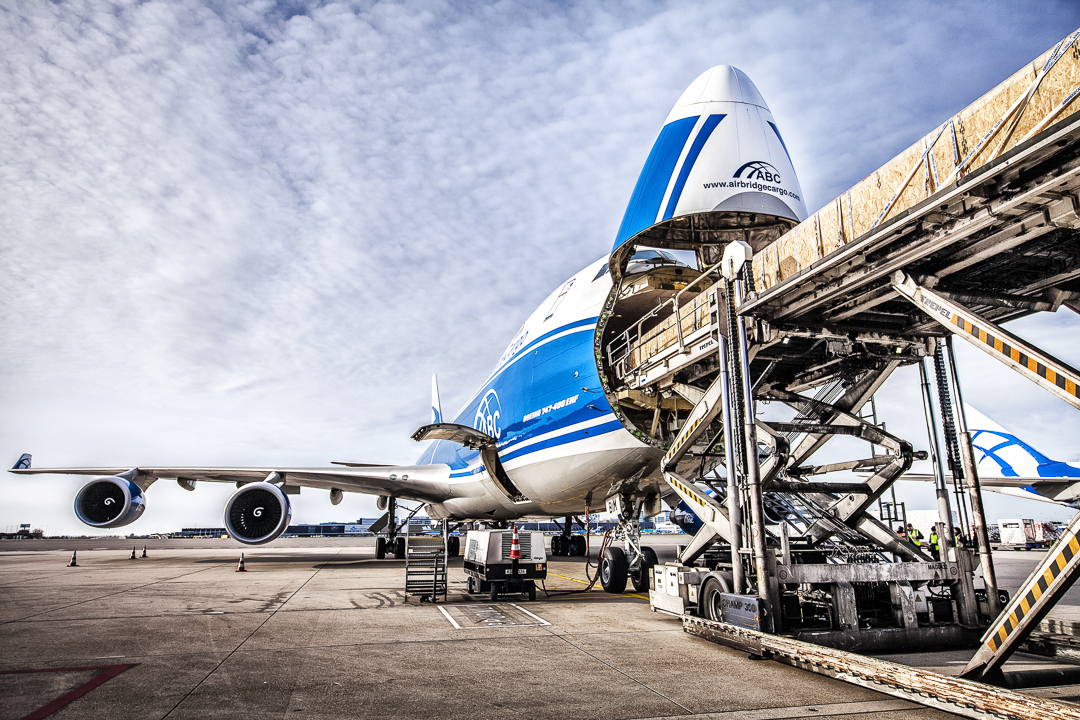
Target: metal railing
{"type": "Point", "coordinates": [631, 349]}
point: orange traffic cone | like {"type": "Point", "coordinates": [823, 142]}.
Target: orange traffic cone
{"type": "Point", "coordinates": [144, 551]}
{"type": "Point", "coordinates": [73, 563]}
{"type": "Point", "coordinates": [240, 567]}
{"type": "Point", "coordinates": [132, 552]}
{"type": "Point", "coordinates": [515, 545]}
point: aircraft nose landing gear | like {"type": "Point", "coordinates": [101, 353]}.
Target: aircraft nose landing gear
{"type": "Point", "coordinates": [613, 570]}
{"type": "Point", "coordinates": [635, 562]}
{"type": "Point", "coordinates": [641, 578]}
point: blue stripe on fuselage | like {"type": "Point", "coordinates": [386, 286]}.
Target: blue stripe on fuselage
{"type": "Point", "coordinates": [655, 176]}
{"type": "Point", "coordinates": [532, 344]}
{"type": "Point", "coordinates": [549, 385]}
{"type": "Point", "coordinates": [688, 164]}
{"type": "Point", "coordinates": [781, 139]}
{"type": "Point", "coordinates": [589, 432]}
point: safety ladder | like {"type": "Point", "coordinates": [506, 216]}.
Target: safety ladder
{"type": "Point", "coordinates": [711, 512]}
{"type": "Point", "coordinates": [425, 566]}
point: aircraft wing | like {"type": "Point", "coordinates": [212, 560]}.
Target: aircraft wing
{"type": "Point", "coordinates": [422, 483]}
{"type": "Point", "coordinates": [1062, 490]}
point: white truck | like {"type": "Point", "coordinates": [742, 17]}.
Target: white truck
{"type": "Point", "coordinates": [1019, 534]}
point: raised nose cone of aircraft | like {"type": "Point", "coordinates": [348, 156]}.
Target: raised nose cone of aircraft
{"type": "Point", "coordinates": [722, 83]}
{"type": "Point", "coordinates": [720, 158]}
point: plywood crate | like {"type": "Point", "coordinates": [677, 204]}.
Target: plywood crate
{"type": "Point", "coordinates": [973, 137]}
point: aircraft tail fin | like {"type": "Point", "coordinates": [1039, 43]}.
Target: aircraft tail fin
{"type": "Point", "coordinates": [23, 462]}
{"type": "Point", "coordinates": [1000, 453]}
{"type": "Point", "coordinates": [436, 406]}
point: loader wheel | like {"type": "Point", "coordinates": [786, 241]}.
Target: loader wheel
{"type": "Point", "coordinates": [642, 577]}
{"type": "Point", "coordinates": [613, 570]}
{"type": "Point", "coordinates": [709, 599]}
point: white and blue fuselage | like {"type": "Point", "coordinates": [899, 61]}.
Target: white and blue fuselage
{"type": "Point", "coordinates": [558, 438]}
{"type": "Point", "coordinates": [719, 150]}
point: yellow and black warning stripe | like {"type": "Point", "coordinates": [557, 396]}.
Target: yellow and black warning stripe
{"type": "Point", "coordinates": [693, 495]}
{"type": "Point", "coordinates": [1055, 377]}
{"type": "Point", "coordinates": [1070, 550]}
{"type": "Point", "coordinates": [686, 436]}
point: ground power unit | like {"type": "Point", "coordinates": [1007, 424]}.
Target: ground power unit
{"type": "Point", "coordinates": [492, 569]}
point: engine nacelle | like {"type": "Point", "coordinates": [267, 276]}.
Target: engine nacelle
{"type": "Point", "coordinates": [684, 518]}
{"type": "Point", "coordinates": [109, 502]}
{"type": "Point", "coordinates": [257, 513]}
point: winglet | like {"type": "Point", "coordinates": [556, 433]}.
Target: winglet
{"type": "Point", "coordinates": [436, 406]}
{"type": "Point", "coordinates": [23, 462]}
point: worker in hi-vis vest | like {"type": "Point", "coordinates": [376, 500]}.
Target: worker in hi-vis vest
{"type": "Point", "coordinates": [914, 535]}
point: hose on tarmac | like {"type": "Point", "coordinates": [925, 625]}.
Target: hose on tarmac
{"type": "Point", "coordinates": [588, 564]}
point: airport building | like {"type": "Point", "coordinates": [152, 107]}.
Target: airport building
{"type": "Point", "coordinates": [327, 529]}
{"type": "Point", "coordinates": [417, 524]}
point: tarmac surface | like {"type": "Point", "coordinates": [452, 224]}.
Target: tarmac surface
{"type": "Point", "coordinates": [317, 628]}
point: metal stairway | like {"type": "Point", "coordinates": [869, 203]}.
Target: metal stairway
{"type": "Point", "coordinates": [425, 566]}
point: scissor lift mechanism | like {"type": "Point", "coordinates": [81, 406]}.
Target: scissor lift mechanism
{"type": "Point", "coordinates": [981, 227]}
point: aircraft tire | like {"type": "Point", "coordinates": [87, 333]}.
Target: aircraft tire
{"type": "Point", "coordinates": [557, 545]}
{"type": "Point", "coordinates": [453, 546]}
{"type": "Point", "coordinates": [380, 548]}
{"type": "Point", "coordinates": [577, 546]}
{"type": "Point", "coordinates": [613, 570]}
{"type": "Point", "coordinates": [642, 578]}
{"type": "Point", "coordinates": [399, 548]}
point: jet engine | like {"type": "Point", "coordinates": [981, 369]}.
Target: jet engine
{"type": "Point", "coordinates": [109, 502]}
{"type": "Point", "coordinates": [257, 513]}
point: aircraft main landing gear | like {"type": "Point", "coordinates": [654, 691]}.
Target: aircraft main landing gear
{"type": "Point", "coordinates": [393, 543]}
{"type": "Point", "coordinates": [566, 544]}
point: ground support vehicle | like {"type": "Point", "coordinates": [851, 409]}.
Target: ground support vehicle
{"type": "Point", "coordinates": [491, 569]}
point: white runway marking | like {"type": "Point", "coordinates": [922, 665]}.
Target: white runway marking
{"type": "Point", "coordinates": [491, 615]}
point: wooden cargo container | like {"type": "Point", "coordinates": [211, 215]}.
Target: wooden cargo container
{"type": "Point", "coordinates": [1041, 94]}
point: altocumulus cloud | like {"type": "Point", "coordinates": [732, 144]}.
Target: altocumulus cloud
{"type": "Point", "coordinates": [247, 232]}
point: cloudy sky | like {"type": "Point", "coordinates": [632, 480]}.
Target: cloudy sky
{"type": "Point", "coordinates": [248, 232]}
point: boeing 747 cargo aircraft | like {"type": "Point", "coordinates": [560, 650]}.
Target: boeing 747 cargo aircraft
{"type": "Point", "coordinates": [557, 429]}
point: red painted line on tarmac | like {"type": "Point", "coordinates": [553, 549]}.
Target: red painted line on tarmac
{"type": "Point", "coordinates": [111, 671]}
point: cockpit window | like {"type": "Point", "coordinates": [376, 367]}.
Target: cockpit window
{"type": "Point", "coordinates": [654, 257]}
{"type": "Point", "coordinates": [646, 259]}
{"type": "Point", "coordinates": [603, 270]}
